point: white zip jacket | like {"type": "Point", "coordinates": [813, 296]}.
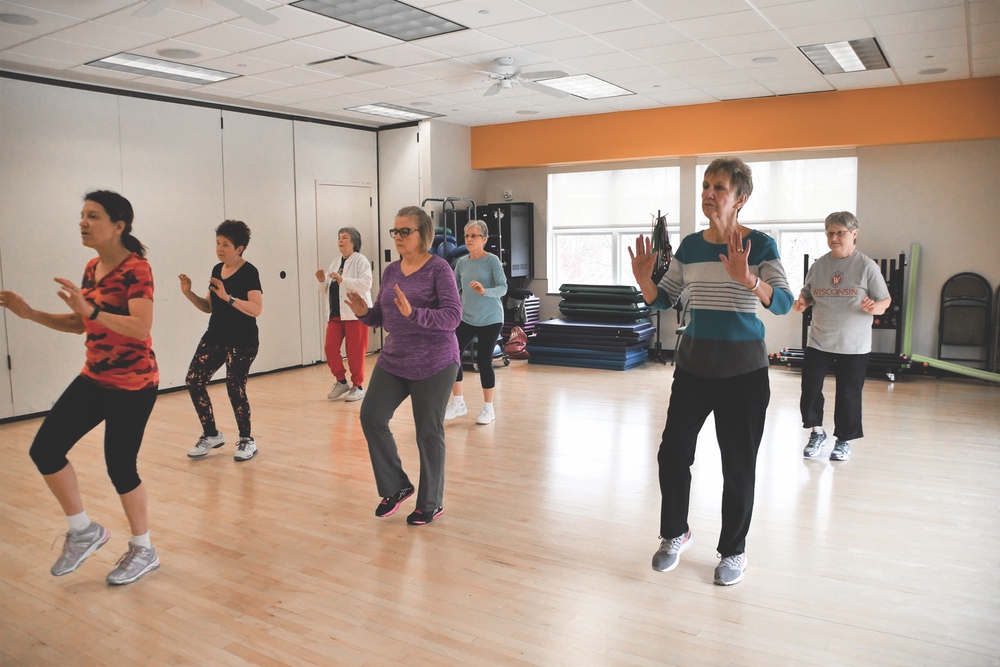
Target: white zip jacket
{"type": "Point", "coordinates": [357, 278]}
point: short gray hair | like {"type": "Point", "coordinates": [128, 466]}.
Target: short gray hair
{"type": "Point", "coordinates": [842, 219]}
{"type": "Point", "coordinates": [479, 226]}
{"type": "Point", "coordinates": [354, 234]}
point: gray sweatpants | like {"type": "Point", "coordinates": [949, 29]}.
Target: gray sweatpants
{"type": "Point", "coordinates": [429, 398]}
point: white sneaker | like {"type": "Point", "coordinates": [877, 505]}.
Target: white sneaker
{"type": "Point", "coordinates": [455, 409]}
{"type": "Point", "coordinates": [486, 416]}
{"type": "Point", "coordinates": [338, 390]}
{"type": "Point", "coordinates": [355, 394]}
{"type": "Point", "coordinates": [245, 449]}
{"type": "Point", "coordinates": [206, 444]}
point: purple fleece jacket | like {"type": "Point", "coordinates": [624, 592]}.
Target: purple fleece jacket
{"type": "Point", "coordinates": [424, 343]}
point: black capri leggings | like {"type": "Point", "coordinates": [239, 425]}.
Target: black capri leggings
{"type": "Point", "coordinates": [488, 336]}
{"type": "Point", "coordinates": [83, 406]}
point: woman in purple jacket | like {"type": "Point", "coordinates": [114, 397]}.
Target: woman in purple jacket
{"type": "Point", "coordinates": [419, 307]}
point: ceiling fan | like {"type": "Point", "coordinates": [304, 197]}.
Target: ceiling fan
{"type": "Point", "coordinates": [241, 7]}
{"type": "Point", "coordinates": [505, 75]}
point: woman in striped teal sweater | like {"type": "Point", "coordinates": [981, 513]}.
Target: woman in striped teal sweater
{"type": "Point", "coordinates": [721, 364]}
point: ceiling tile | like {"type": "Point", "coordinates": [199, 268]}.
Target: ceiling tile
{"type": "Point", "coordinates": [244, 65]}
{"type": "Point", "coordinates": [736, 23]}
{"type": "Point", "coordinates": [672, 53]}
{"type": "Point", "coordinates": [804, 85]}
{"type": "Point", "coordinates": [828, 32]}
{"type": "Point", "coordinates": [607, 18]}
{"type": "Point", "coordinates": [533, 31]}
{"type": "Point", "coordinates": [754, 41]}
{"type": "Point", "coordinates": [813, 12]}
{"type": "Point", "coordinates": [349, 39]}
{"type": "Point", "coordinates": [483, 13]}
{"type": "Point", "coordinates": [167, 23]}
{"type": "Point", "coordinates": [230, 38]}
{"type": "Point", "coordinates": [643, 37]}
{"type": "Point", "coordinates": [109, 36]}
{"type": "Point", "coordinates": [925, 21]}
{"type": "Point", "coordinates": [292, 53]}
{"type": "Point", "coordinates": [575, 47]}
{"type": "Point", "coordinates": [680, 10]}
{"type": "Point", "coordinates": [400, 55]}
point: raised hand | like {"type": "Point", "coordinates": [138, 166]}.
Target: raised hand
{"type": "Point", "coordinates": [185, 284]}
{"type": "Point", "coordinates": [643, 259]}
{"type": "Point", "coordinates": [404, 306]}
{"type": "Point", "coordinates": [15, 303]}
{"type": "Point", "coordinates": [73, 297]}
{"type": "Point", "coordinates": [357, 305]}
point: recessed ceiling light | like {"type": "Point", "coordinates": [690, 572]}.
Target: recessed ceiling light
{"type": "Point", "coordinates": [586, 86]}
{"type": "Point", "coordinates": [393, 111]}
{"type": "Point", "coordinates": [18, 19]}
{"type": "Point", "coordinates": [128, 62]}
{"type": "Point", "coordinates": [388, 17]}
{"type": "Point", "coordinates": [765, 60]}
{"type": "Point", "coordinates": [857, 55]}
{"type": "Point", "coordinates": [178, 54]}
{"type": "Point", "coordinates": [933, 70]}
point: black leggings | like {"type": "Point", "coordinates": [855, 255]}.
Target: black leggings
{"type": "Point", "coordinates": [83, 406]}
{"type": "Point", "coordinates": [488, 336]}
{"type": "Point", "coordinates": [209, 358]}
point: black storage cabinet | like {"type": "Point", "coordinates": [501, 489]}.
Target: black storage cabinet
{"type": "Point", "coordinates": [511, 227]}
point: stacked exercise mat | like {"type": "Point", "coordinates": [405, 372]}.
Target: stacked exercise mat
{"type": "Point", "coordinates": [603, 326]}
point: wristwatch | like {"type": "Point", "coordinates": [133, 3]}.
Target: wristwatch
{"type": "Point", "coordinates": [232, 299]}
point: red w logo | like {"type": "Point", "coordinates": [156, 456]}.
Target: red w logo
{"type": "Point", "coordinates": [837, 277]}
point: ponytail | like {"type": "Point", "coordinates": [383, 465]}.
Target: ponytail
{"type": "Point", "coordinates": [132, 244]}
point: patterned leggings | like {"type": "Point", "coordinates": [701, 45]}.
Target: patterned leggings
{"type": "Point", "coordinates": [209, 358]}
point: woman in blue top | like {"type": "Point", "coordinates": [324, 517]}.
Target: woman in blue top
{"type": "Point", "coordinates": [721, 361]}
{"type": "Point", "coordinates": [482, 284]}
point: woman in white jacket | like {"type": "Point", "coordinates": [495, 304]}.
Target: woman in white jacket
{"type": "Point", "coordinates": [353, 273]}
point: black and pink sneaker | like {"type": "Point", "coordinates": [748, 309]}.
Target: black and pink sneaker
{"type": "Point", "coordinates": [419, 517]}
{"type": "Point", "coordinates": [390, 504]}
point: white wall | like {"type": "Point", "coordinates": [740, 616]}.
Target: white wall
{"type": "Point", "coordinates": [184, 174]}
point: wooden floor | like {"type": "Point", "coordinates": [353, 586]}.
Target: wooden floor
{"type": "Point", "coordinates": [543, 554]}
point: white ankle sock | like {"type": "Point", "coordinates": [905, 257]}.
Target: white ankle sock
{"type": "Point", "coordinates": [141, 540]}
{"type": "Point", "coordinates": [488, 405]}
{"type": "Point", "coordinates": [818, 429]}
{"type": "Point", "coordinates": [458, 400]}
{"type": "Point", "coordinates": [78, 522]}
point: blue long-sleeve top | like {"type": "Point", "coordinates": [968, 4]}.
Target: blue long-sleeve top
{"type": "Point", "coordinates": [724, 337]}
{"type": "Point", "coordinates": [486, 308]}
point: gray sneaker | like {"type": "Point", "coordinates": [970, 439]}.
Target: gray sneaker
{"type": "Point", "coordinates": [78, 546]}
{"type": "Point", "coordinates": [841, 451]}
{"type": "Point", "coordinates": [206, 444]}
{"type": "Point", "coordinates": [339, 389]}
{"type": "Point", "coordinates": [730, 570]}
{"type": "Point", "coordinates": [668, 555]}
{"type": "Point", "coordinates": [815, 444]}
{"type": "Point", "coordinates": [245, 449]}
{"type": "Point", "coordinates": [136, 562]}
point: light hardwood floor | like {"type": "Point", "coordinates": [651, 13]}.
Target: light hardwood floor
{"type": "Point", "coordinates": [543, 554]}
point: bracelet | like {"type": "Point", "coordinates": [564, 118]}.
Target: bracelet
{"type": "Point", "coordinates": [97, 311]}
{"type": "Point", "coordinates": [755, 285]}
{"type": "Point", "coordinates": [232, 299]}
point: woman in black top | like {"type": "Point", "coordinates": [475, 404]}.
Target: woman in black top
{"type": "Point", "coordinates": [235, 300]}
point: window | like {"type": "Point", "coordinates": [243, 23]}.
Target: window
{"type": "Point", "coordinates": [594, 216]}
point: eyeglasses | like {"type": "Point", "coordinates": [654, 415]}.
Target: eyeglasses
{"type": "Point", "coordinates": [402, 232]}
{"type": "Point", "coordinates": [474, 236]}
{"type": "Point", "coordinates": [838, 234]}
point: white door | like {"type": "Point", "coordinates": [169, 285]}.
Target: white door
{"type": "Point", "coordinates": [338, 206]}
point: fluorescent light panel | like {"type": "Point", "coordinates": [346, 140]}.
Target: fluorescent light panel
{"type": "Point", "coordinates": [387, 17]}
{"type": "Point", "coordinates": [393, 111]}
{"type": "Point", "coordinates": [586, 86]}
{"type": "Point", "coordinates": [165, 69]}
{"type": "Point", "coordinates": [856, 55]}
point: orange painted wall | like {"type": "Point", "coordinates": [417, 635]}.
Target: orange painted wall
{"type": "Point", "coordinates": [915, 114]}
